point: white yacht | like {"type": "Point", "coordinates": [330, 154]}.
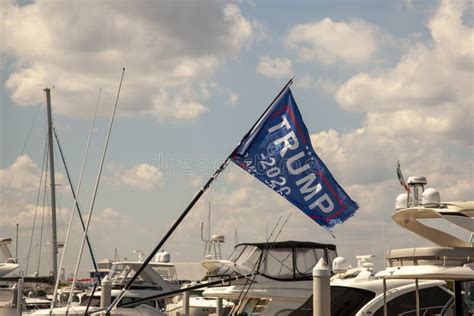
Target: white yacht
{"type": "Point", "coordinates": [415, 280]}
{"type": "Point", "coordinates": [360, 291]}
{"type": "Point", "coordinates": [10, 263]}
{"type": "Point", "coordinates": [156, 278]}
{"type": "Point", "coordinates": [283, 281]}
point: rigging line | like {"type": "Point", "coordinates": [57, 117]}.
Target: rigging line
{"type": "Point", "coordinates": [91, 208]}
{"type": "Point", "coordinates": [59, 195]}
{"type": "Point", "coordinates": [21, 153]}
{"type": "Point", "coordinates": [42, 216]}
{"type": "Point", "coordinates": [75, 197]}
{"type": "Point", "coordinates": [271, 245]}
{"type": "Point", "coordinates": [36, 207]}
{"type": "Point", "coordinates": [256, 266]}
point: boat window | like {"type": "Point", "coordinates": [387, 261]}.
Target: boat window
{"type": "Point", "coordinates": [120, 274]}
{"type": "Point", "coordinates": [279, 263]}
{"type": "Point", "coordinates": [469, 294]}
{"type": "Point", "coordinates": [345, 301]}
{"type": "Point", "coordinates": [348, 300]}
{"type": "Point", "coordinates": [237, 253]}
{"type": "Point", "coordinates": [284, 312]}
{"type": "Point", "coordinates": [432, 300]}
{"type": "Point", "coordinates": [168, 273]}
{"type": "Point", "coordinates": [332, 254]}
{"type": "Point", "coordinates": [249, 257]}
{"type": "Point", "coordinates": [306, 259]}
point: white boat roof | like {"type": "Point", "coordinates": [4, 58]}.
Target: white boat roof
{"type": "Point", "coordinates": [429, 272]}
{"type": "Point", "coordinates": [457, 213]}
{"type": "Point", "coordinates": [452, 258]}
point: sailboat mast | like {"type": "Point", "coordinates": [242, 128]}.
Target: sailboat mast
{"type": "Point", "coordinates": [54, 241]}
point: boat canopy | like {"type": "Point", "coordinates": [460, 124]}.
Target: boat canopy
{"type": "Point", "coordinates": [283, 261]}
{"type": "Point", "coordinates": [154, 275]}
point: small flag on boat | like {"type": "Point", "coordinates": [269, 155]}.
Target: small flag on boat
{"type": "Point", "coordinates": [278, 152]}
{"type": "Point", "coordinates": [401, 178]}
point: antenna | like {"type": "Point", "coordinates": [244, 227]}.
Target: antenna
{"type": "Point", "coordinates": [116, 255]}
{"type": "Point", "coordinates": [209, 222]}
{"type": "Point", "coordinates": [202, 229]}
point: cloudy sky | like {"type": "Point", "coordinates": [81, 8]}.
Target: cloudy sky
{"type": "Point", "coordinates": [375, 82]}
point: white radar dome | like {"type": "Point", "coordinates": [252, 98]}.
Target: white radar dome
{"type": "Point", "coordinates": [416, 180]}
{"type": "Point", "coordinates": [163, 256]}
{"type": "Point", "coordinates": [339, 265]}
{"type": "Point", "coordinates": [218, 238]}
{"type": "Point", "coordinates": [401, 202]}
{"type": "Point", "coordinates": [430, 198]}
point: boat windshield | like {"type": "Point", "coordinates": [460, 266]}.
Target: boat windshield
{"type": "Point", "coordinates": [285, 260]}
{"type": "Point", "coordinates": [120, 274]}
{"type": "Point", "coordinates": [246, 255]}
{"type": "Point", "coordinates": [168, 273]}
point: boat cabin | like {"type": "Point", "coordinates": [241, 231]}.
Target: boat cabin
{"type": "Point", "coordinates": [156, 275]}
{"type": "Point", "coordinates": [283, 261]}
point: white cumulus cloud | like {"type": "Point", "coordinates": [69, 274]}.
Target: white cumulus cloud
{"type": "Point", "coordinates": [329, 42]}
{"type": "Point", "coordinates": [275, 67]}
{"type": "Point", "coordinates": [164, 46]}
{"type": "Point", "coordinates": [143, 177]}
{"type": "Point", "coordinates": [419, 111]}
{"type": "Point", "coordinates": [430, 89]}
{"type": "Point", "coordinates": [19, 183]}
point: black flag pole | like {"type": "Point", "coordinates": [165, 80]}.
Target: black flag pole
{"type": "Point", "coordinates": [187, 209]}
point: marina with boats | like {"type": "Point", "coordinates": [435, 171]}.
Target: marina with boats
{"type": "Point", "coordinates": [213, 158]}
{"type": "Point", "coordinates": [425, 280]}
{"type": "Point", "coordinates": [262, 278]}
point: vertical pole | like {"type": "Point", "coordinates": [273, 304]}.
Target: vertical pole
{"type": "Point", "coordinates": [321, 289]}
{"type": "Point", "coordinates": [105, 292]}
{"type": "Point", "coordinates": [458, 298]}
{"type": "Point", "coordinates": [19, 296]}
{"type": "Point", "coordinates": [219, 306]}
{"type": "Point", "coordinates": [209, 222]}
{"type": "Point", "coordinates": [209, 229]}
{"type": "Point", "coordinates": [54, 241]}
{"type": "Point", "coordinates": [186, 303]}
{"type": "Point", "coordinates": [385, 311]}
{"type": "Point", "coordinates": [16, 244]}
{"type": "Point", "coordinates": [417, 294]}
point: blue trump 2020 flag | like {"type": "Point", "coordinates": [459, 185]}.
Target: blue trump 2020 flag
{"type": "Point", "coordinates": [278, 152]}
